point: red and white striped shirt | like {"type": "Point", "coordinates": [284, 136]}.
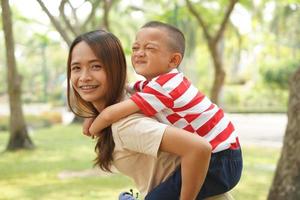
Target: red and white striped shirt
{"type": "Point", "coordinates": [172, 99]}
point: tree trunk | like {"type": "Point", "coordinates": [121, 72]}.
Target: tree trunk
{"type": "Point", "coordinates": [214, 42]}
{"type": "Point", "coordinates": [19, 138]}
{"type": "Point", "coordinates": [216, 52]}
{"type": "Point", "coordinates": [286, 183]}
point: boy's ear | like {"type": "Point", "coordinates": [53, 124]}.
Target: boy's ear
{"type": "Point", "coordinates": [175, 60]}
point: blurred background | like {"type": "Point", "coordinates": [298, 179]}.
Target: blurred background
{"type": "Point", "coordinates": [240, 53]}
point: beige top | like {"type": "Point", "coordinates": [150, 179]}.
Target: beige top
{"type": "Point", "coordinates": [137, 140]}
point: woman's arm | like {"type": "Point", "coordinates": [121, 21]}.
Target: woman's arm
{"type": "Point", "coordinates": [195, 155]}
{"type": "Point", "coordinates": [111, 114]}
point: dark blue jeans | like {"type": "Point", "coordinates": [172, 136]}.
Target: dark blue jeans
{"type": "Point", "coordinates": [224, 173]}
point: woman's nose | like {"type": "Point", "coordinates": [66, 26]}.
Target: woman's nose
{"type": "Point", "coordinates": [85, 76]}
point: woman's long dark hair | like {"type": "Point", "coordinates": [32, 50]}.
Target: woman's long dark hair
{"type": "Point", "coordinates": [107, 48]}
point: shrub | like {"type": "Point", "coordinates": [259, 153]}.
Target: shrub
{"type": "Point", "coordinates": [278, 74]}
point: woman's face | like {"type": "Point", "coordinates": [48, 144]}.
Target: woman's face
{"type": "Point", "coordinates": [88, 76]}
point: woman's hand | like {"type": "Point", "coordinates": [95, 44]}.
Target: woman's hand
{"type": "Point", "coordinates": [86, 125]}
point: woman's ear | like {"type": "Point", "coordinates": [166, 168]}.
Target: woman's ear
{"type": "Point", "coordinates": [175, 60]}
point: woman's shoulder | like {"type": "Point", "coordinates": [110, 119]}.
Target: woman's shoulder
{"type": "Point", "coordinates": [138, 133]}
{"type": "Point", "coordinates": [134, 121]}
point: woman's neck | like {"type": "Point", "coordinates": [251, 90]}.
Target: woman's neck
{"type": "Point", "coordinates": [99, 106]}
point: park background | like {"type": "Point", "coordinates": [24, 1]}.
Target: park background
{"type": "Point", "coordinates": [253, 47]}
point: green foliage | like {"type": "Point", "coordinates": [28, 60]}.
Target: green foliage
{"type": "Point", "coordinates": [277, 74]}
{"type": "Point", "coordinates": [254, 99]}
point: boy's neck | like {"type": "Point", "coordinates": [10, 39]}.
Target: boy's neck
{"type": "Point", "coordinates": [173, 70]}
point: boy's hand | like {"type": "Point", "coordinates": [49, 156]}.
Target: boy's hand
{"type": "Point", "coordinates": [86, 125]}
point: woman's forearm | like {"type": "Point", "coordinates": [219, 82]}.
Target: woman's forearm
{"type": "Point", "coordinates": [195, 155]}
{"type": "Point", "coordinates": [194, 167]}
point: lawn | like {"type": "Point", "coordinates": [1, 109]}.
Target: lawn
{"type": "Point", "coordinates": [61, 168]}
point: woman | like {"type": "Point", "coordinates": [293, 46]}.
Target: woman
{"type": "Point", "coordinates": [137, 146]}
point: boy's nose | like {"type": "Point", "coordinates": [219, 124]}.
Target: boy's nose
{"type": "Point", "coordinates": [140, 53]}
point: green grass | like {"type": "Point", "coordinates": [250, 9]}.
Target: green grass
{"type": "Point", "coordinates": [34, 174]}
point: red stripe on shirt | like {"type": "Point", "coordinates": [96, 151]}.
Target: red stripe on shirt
{"type": "Point", "coordinates": [165, 78]}
{"type": "Point", "coordinates": [180, 89]}
{"type": "Point", "coordinates": [173, 118]}
{"type": "Point", "coordinates": [167, 101]}
{"type": "Point", "coordinates": [191, 117]}
{"type": "Point", "coordinates": [211, 123]}
{"type": "Point", "coordinates": [235, 145]}
{"type": "Point", "coordinates": [189, 128]}
{"type": "Point", "coordinates": [145, 107]}
{"type": "Point", "coordinates": [222, 136]}
{"type": "Point", "coordinates": [196, 100]}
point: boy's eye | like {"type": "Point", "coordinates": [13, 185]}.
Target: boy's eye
{"type": "Point", "coordinates": [150, 47]}
{"type": "Point", "coordinates": [135, 48]}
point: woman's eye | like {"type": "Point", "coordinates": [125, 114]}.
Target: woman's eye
{"type": "Point", "coordinates": [75, 68]}
{"type": "Point", "coordinates": [97, 67]}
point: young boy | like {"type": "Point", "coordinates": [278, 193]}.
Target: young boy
{"type": "Point", "coordinates": [168, 96]}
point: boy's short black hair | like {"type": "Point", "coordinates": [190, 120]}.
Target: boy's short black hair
{"type": "Point", "coordinates": [176, 39]}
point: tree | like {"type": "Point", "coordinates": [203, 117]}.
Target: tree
{"type": "Point", "coordinates": [214, 43]}
{"type": "Point", "coordinates": [19, 138]}
{"type": "Point", "coordinates": [71, 26]}
{"type": "Point", "coordinates": [286, 183]}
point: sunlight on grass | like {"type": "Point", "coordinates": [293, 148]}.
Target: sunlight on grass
{"type": "Point", "coordinates": [34, 174]}
{"type": "Point", "coordinates": [259, 167]}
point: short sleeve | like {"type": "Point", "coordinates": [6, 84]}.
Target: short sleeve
{"type": "Point", "coordinates": [152, 99]}
{"type": "Point", "coordinates": [139, 85]}
{"type": "Point", "coordinates": [139, 133]}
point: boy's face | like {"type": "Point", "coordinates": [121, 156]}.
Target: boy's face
{"type": "Point", "coordinates": [151, 55]}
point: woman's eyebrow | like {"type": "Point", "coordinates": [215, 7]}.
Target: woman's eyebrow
{"type": "Point", "coordinates": [74, 63]}
{"type": "Point", "coordinates": [95, 60]}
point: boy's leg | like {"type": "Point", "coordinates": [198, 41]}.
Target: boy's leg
{"type": "Point", "coordinates": [223, 174]}
{"type": "Point", "coordinates": [167, 190]}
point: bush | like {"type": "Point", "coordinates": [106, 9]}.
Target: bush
{"type": "Point", "coordinates": [278, 74]}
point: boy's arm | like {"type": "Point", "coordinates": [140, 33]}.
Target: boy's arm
{"type": "Point", "coordinates": [195, 154]}
{"type": "Point", "coordinates": [111, 114]}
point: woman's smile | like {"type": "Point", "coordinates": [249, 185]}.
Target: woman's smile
{"type": "Point", "coordinates": [88, 76]}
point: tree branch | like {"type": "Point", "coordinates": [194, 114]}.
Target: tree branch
{"type": "Point", "coordinates": [55, 23]}
{"type": "Point", "coordinates": [222, 28]}
{"type": "Point", "coordinates": [92, 14]}
{"type": "Point", "coordinates": [106, 7]}
{"type": "Point", "coordinates": [64, 17]}
{"type": "Point", "coordinates": [199, 20]}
